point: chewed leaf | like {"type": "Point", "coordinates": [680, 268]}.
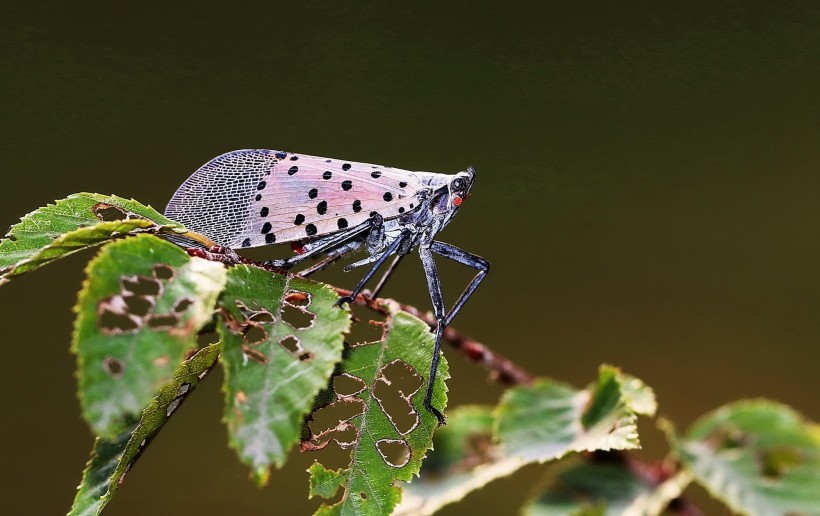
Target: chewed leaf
{"type": "Point", "coordinates": [759, 457]}
{"type": "Point", "coordinates": [113, 458]}
{"type": "Point", "coordinates": [603, 486]}
{"type": "Point", "coordinates": [384, 424]}
{"type": "Point", "coordinates": [282, 338]}
{"type": "Point", "coordinates": [138, 313]}
{"type": "Point", "coordinates": [75, 223]}
{"type": "Point", "coordinates": [536, 423]}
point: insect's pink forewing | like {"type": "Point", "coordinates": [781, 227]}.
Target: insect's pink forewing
{"type": "Point", "coordinates": [256, 197]}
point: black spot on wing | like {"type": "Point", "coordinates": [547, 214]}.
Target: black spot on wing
{"type": "Point", "coordinates": [346, 167]}
{"type": "Point", "coordinates": [357, 206]}
{"type": "Point", "coordinates": [387, 196]}
{"type": "Point", "coordinates": [313, 193]}
{"type": "Point", "coordinates": [299, 220]}
{"type": "Point", "coordinates": [327, 175]}
{"type": "Point", "coordinates": [347, 184]}
{"type": "Point", "coordinates": [342, 223]}
{"type": "Point", "coordinates": [310, 230]}
{"type": "Point", "coordinates": [293, 170]}
{"type": "Point", "coordinates": [321, 208]}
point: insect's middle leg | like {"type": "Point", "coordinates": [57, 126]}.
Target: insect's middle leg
{"type": "Point", "coordinates": [378, 263]}
{"type": "Point", "coordinates": [386, 276]}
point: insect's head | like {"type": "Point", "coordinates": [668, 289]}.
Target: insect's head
{"type": "Point", "coordinates": [448, 197]}
{"type": "Point", "coordinates": [460, 186]}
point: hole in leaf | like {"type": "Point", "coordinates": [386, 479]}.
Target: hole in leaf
{"type": "Point", "coordinates": [141, 286]}
{"type": "Point", "coordinates": [254, 355]}
{"type": "Point", "coordinates": [182, 304]}
{"type": "Point", "coordinates": [393, 389]}
{"type": "Point", "coordinates": [163, 272]}
{"type": "Point", "coordinates": [296, 317]}
{"type": "Point", "coordinates": [776, 461]}
{"type": "Point", "coordinates": [172, 407]}
{"type": "Point", "coordinates": [332, 422]}
{"type": "Point", "coordinates": [108, 213]}
{"type": "Point", "coordinates": [254, 334]}
{"type": "Point", "coordinates": [140, 306]}
{"type": "Point", "coordinates": [306, 356]}
{"type": "Point", "coordinates": [346, 385]}
{"type": "Point", "coordinates": [112, 317]}
{"type": "Point", "coordinates": [363, 495]}
{"type": "Point", "coordinates": [262, 316]}
{"type": "Point", "coordinates": [395, 452]}
{"type": "Point", "coordinates": [163, 321]}
{"type": "Point", "coordinates": [297, 298]}
{"type": "Point", "coordinates": [113, 367]}
{"type": "Point", "coordinates": [291, 344]}
{"type": "Point", "coordinates": [367, 326]}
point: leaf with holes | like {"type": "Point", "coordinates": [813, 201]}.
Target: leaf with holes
{"type": "Point", "coordinates": [604, 485]}
{"type": "Point", "coordinates": [536, 423]}
{"type": "Point", "coordinates": [282, 338]}
{"type": "Point", "coordinates": [138, 313]}
{"type": "Point", "coordinates": [375, 409]}
{"type": "Point", "coordinates": [112, 458]}
{"type": "Point", "coordinates": [758, 456]}
{"type": "Point", "coordinates": [69, 225]}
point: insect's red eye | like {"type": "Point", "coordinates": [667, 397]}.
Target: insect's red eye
{"type": "Point", "coordinates": [457, 200]}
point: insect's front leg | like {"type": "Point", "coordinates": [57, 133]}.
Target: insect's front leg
{"type": "Point", "coordinates": [434, 285]}
{"type": "Point", "coordinates": [470, 260]}
{"type": "Point", "coordinates": [340, 239]}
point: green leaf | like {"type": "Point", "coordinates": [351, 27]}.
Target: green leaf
{"type": "Point", "coordinates": [77, 222]}
{"type": "Point", "coordinates": [138, 313]}
{"type": "Point", "coordinates": [112, 458]}
{"type": "Point", "coordinates": [603, 486]}
{"type": "Point", "coordinates": [534, 423]}
{"type": "Point", "coordinates": [548, 419]}
{"type": "Point", "coordinates": [273, 370]}
{"type": "Point", "coordinates": [758, 456]}
{"type": "Point", "coordinates": [376, 410]}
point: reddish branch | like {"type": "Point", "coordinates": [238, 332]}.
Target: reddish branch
{"type": "Point", "coordinates": [502, 369]}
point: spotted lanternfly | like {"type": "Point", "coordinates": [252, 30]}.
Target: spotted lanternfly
{"type": "Point", "coordinates": [331, 207]}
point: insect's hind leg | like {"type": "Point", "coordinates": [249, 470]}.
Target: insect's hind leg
{"type": "Point", "coordinates": [470, 260]}
{"type": "Point", "coordinates": [434, 285]}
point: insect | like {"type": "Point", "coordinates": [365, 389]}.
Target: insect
{"type": "Point", "coordinates": [329, 207]}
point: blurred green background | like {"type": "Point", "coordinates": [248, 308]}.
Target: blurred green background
{"type": "Point", "coordinates": [647, 194]}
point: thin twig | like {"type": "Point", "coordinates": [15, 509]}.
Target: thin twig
{"type": "Point", "coordinates": [502, 369]}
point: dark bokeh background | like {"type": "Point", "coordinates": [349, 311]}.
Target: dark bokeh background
{"type": "Point", "coordinates": [647, 194]}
